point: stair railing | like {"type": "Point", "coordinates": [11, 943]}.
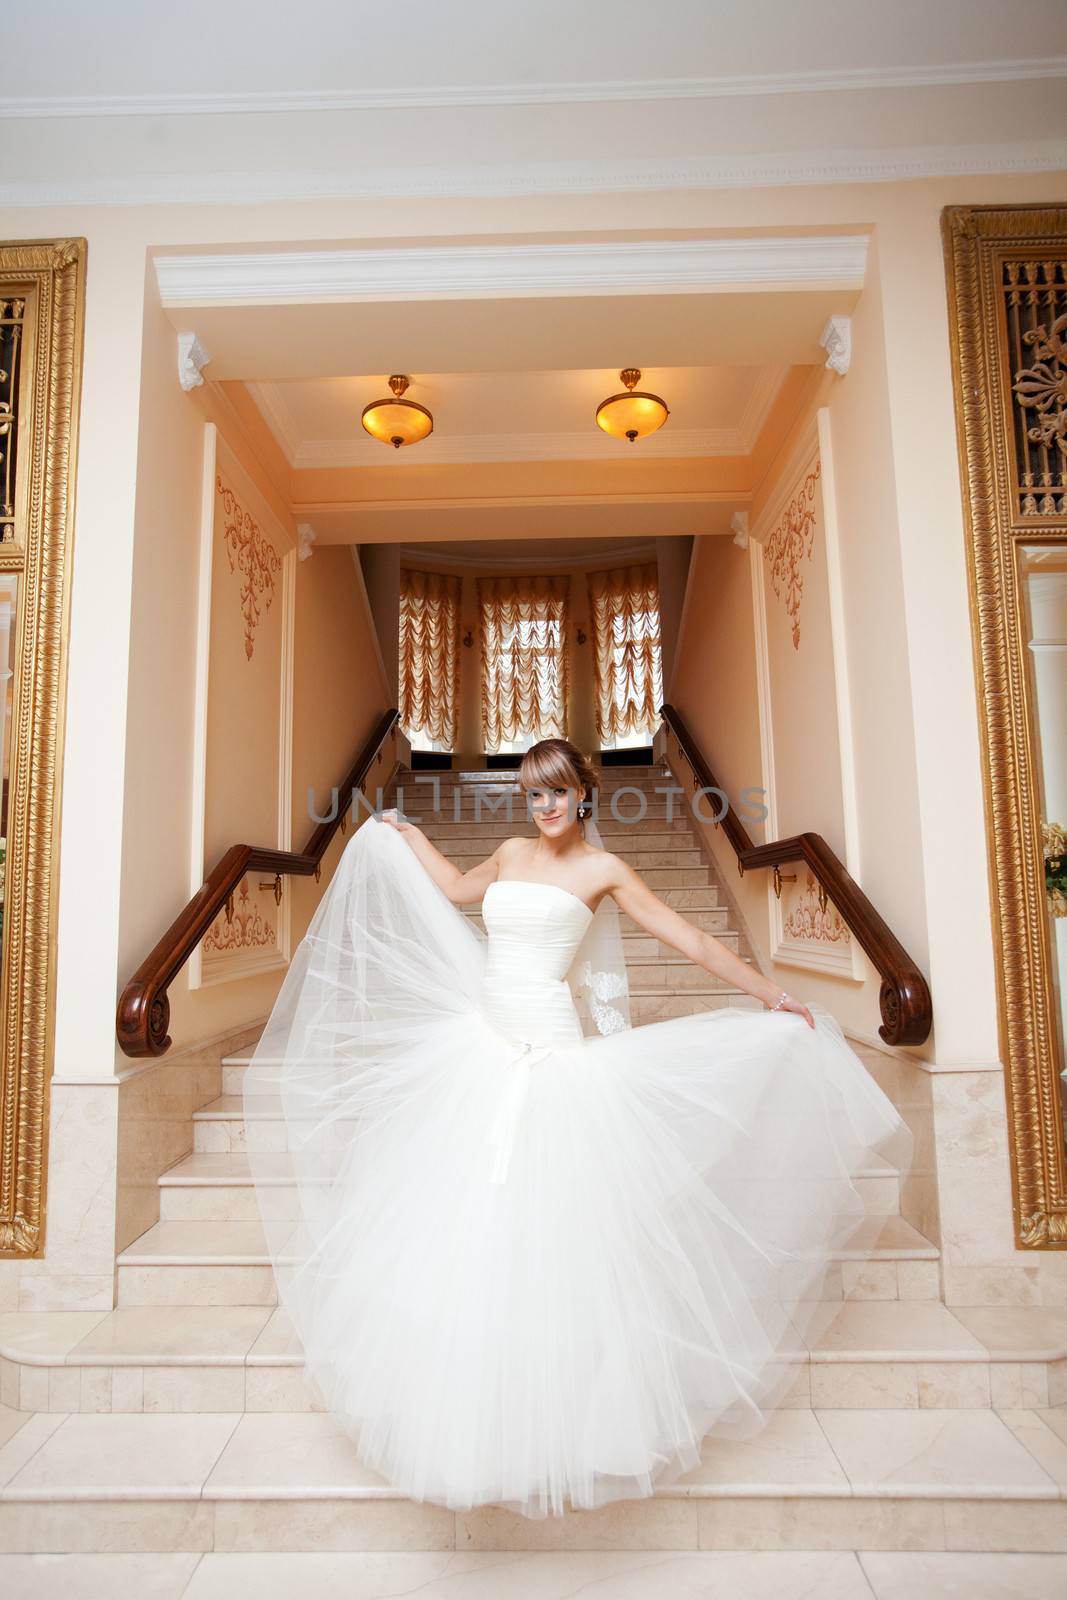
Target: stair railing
{"type": "Point", "coordinates": [904, 998]}
{"type": "Point", "coordinates": [143, 1014]}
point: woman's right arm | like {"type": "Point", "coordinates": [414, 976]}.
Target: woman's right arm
{"type": "Point", "coordinates": [462, 888]}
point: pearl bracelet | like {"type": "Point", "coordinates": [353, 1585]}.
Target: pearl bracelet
{"type": "Point", "coordinates": [780, 1003]}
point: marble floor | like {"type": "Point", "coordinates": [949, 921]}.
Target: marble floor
{"type": "Point", "coordinates": [555, 1575]}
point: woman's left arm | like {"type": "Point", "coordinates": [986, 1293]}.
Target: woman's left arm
{"type": "Point", "coordinates": [633, 895]}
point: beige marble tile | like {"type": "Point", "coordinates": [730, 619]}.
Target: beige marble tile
{"type": "Point", "coordinates": [652, 1524]}
{"type": "Point", "coordinates": [152, 1335]}
{"type": "Point", "coordinates": [1005, 1525]}
{"type": "Point", "coordinates": [24, 1443]}
{"type": "Point", "coordinates": [291, 1455]}
{"type": "Point", "coordinates": [126, 1526]}
{"type": "Point", "coordinates": [110, 1456]}
{"type": "Point", "coordinates": [95, 1389]}
{"type": "Point", "coordinates": [45, 1335]}
{"type": "Point", "coordinates": [790, 1522]}
{"type": "Point", "coordinates": [931, 1451]}
{"type": "Point", "coordinates": [1017, 1333]}
{"type": "Point", "coordinates": [1046, 1442]}
{"type": "Point", "coordinates": [953, 1384]}
{"type": "Point", "coordinates": [64, 1389]}
{"type": "Point", "coordinates": [791, 1450]}
{"type": "Point", "coordinates": [10, 1374]}
{"type": "Point", "coordinates": [870, 1330]}
{"type": "Point", "coordinates": [918, 1280]}
{"type": "Point", "coordinates": [1003, 1285]}
{"type": "Point", "coordinates": [310, 1525]}
{"type": "Point", "coordinates": [270, 1388]}
{"type": "Point", "coordinates": [48, 1290]}
{"type": "Point", "coordinates": [856, 1385]}
{"type": "Point", "coordinates": [955, 1575]}
{"type": "Point", "coordinates": [127, 1389]}
{"type": "Point", "coordinates": [33, 1388]}
{"type": "Point", "coordinates": [278, 1341]}
{"type": "Point", "coordinates": [92, 1577]}
{"type": "Point", "coordinates": [10, 1423]}
{"type": "Point", "coordinates": [537, 1575]}
{"type": "Point", "coordinates": [196, 1286]}
{"type": "Point", "coordinates": [869, 1280]}
{"type": "Point", "coordinates": [193, 1389]}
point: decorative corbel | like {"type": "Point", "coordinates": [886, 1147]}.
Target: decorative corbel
{"type": "Point", "coordinates": [739, 528]}
{"type": "Point", "coordinates": [836, 340]}
{"type": "Point", "coordinates": [306, 535]}
{"type": "Point", "coordinates": [192, 358]}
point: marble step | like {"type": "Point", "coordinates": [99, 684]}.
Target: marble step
{"type": "Point", "coordinates": [825, 1479]}
{"type": "Point", "coordinates": [658, 833]}
{"type": "Point", "coordinates": [226, 1264]}
{"type": "Point", "coordinates": [712, 915]}
{"type": "Point", "coordinates": [467, 853]}
{"type": "Point", "coordinates": [623, 813]}
{"type": "Point", "coordinates": [658, 873]}
{"type": "Point", "coordinates": [898, 1355]}
{"type": "Point", "coordinates": [218, 1188]}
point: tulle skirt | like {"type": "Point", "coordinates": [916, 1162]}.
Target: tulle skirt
{"type": "Point", "coordinates": [540, 1278]}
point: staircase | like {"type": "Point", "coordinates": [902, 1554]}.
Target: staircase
{"type": "Point", "coordinates": [181, 1421]}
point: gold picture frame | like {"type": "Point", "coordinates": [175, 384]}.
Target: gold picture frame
{"type": "Point", "coordinates": [1006, 281]}
{"type": "Point", "coordinates": [37, 545]}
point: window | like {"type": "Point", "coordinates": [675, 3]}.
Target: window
{"type": "Point", "coordinates": [429, 658]}
{"type": "Point", "coordinates": [523, 624]}
{"type": "Point", "coordinates": [627, 656]}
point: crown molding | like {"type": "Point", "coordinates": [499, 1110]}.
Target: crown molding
{"type": "Point", "coordinates": [770, 170]}
{"type": "Point", "coordinates": [476, 448]}
{"type": "Point", "coordinates": [437, 272]}
{"type": "Point", "coordinates": [741, 86]}
{"type": "Point", "coordinates": [524, 556]}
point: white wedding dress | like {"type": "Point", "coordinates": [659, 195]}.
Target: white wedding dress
{"type": "Point", "coordinates": [526, 1266]}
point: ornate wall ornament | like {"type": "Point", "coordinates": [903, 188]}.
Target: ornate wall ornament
{"type": "Point", "coordinates": [192, 359]}
{"type": "Point", "coordinates": [836, 340]}
{"type": "Point", "coordinates": [811, 922]}
{"type": "Point", "coordinates": [789, 543]}
{"type": "Point", "coordinates": [251, 553]}
{"type": "Point", "coordinates": [1006, 281]}
{"type": "Point", "coordinates": [246, 930]}
{"type": "Point", "coordinates": [48, 277]}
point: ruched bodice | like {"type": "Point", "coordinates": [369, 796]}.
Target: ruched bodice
{"type": "Point", "coordinates": [534, 931]}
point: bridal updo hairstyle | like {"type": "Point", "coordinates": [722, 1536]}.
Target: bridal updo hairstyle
{"type": "Point", "coordinates": [556, 763]}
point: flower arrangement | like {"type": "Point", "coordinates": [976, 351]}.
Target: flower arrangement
{"type": "Point", "coordinates": [1054, 840]}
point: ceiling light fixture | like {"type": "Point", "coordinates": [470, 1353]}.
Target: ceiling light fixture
{"type": "Point", "coordinates": [397, 421]}
{"type": "Point", "coordinates": [634, 414]}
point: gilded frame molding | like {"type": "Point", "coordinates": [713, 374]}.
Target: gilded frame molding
{"type": "Point", "coordinates": [977, 242]}
{"type": "Point", "coordinates": [52, 274]}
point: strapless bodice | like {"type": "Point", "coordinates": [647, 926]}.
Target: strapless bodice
{"type": "Point", "coordinates": [534, 930]}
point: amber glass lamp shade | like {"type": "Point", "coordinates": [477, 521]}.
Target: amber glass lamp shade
{"type": "Point", "coordinates": [634, 414]}
{"type": "Point", "coordinates": [397, 421]}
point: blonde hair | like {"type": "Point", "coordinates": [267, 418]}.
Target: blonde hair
{"type": "Point", "coordinates": [556, 763]}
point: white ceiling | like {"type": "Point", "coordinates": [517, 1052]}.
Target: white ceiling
{"type": "Point", "coordinates": [434, 51]}
{"type": "Point", "coordinates": [494, 416]}
{"type": "Point", "coordinates": [123, 102]}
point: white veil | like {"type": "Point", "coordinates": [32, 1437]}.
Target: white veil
{"type": "Point", "coordinates": [597, 976]}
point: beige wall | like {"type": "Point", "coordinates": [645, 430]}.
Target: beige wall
{"type": "Point", "coordinates": [129, 713]}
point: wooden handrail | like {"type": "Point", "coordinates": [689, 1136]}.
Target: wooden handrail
{"type": "Point", "coordinates": [904, 999]}
{"type": "Point", "coordinates": [143, 1013]}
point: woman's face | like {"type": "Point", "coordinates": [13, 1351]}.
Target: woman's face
{"type": "Point", "coordinates": [554, 809]}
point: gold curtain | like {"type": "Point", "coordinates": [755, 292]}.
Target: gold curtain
{"type": "Point", "coordinates": [627, 660]}
{"type": "Point", "coordinates": [523, 624]}
{"type": "Point", "coordinates": [429, 654]}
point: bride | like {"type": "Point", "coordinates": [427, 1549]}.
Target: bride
{"type": "Point", "coordinates": [534, 1256]}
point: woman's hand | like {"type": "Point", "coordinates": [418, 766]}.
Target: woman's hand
{"type": "Point", "coordinates": [395, 820]}
{"type": "Point", "coordinates": [785, 1002]}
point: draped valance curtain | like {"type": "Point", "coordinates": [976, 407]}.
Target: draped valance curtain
{"type": "Point", "coordinates": [627, 659]}
{"type": "Point", "coordinates": [523, 626]}
{"type": "Point", "coordinates": [429, 654]}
